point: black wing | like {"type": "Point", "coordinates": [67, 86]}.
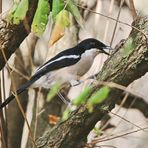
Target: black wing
{"type": "Point", "coordinates": [67, 61]}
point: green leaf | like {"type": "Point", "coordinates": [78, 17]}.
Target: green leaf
{"type": "Point", "coordinates": [57, 6]}
{"type": "Point", "coordinates": [53, 91]}
{"type": "Point", "coordinates": [74, 11]}
{"type": "Point", "coordinates": [98, 97]}
{"type": "Point", "coordinates": [40, 19]}
{"type": "Point", "coordinates": [66, 114]}
{"type": "Point", "coordinates": [11, 12]}
{"type": "Point", "coordinates": [20, 11]}
{"type": "Point", "coordinates": [63, 18]}
{"type": "Point", "coordinates": [97, 131]}
{"type": "Point", "coordinates": [81, 99]}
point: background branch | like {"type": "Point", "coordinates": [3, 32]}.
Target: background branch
{"type": "Point", "coordinates": [11, 36]}
{"type": "Point", "coordinates": [136, 103]}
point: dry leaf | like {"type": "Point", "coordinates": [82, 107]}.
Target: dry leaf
{"type": "Point", "coordinates": [53, 119]}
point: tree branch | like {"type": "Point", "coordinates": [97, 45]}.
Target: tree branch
{"type": "Point", "coordinates": [11, 35]}
{"type": "Point", "coordinates": [136, 103]}
{"type": "Point", "coordinates": [123, 67]}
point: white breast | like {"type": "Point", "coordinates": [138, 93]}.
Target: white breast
{"type": "Point", "coordinates": [84, 64]}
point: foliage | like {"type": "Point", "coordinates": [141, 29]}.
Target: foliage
{"type": "Point", "coordinates": [62, 21]}
{"type": "Point", "coordinates": [66, 114]}
{"type": "Point", "coordinates": [18, 12]}
{"type": "Point", "coordinates": [41, 17]}
{"type": "Point", "coordinates": [81, 99]}
{"type": "Point", "coordinates": [98, 97]}
{"type": "Point", "coordinates": [74, 11]}
{"type": "Point", "coordinates": [60, 16]}
{"type": "Point", "coordinates": [57, 6]}
{"type": "Point", "coordinates": [53, 91]}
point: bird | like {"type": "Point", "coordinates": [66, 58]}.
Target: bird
{"type": "Point", "coordinates": [66, 67]}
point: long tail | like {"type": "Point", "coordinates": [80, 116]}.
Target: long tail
{"type": "Point", "coordinates": [19, 91]}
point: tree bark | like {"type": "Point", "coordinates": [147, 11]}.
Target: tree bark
{"type": "Point", "coordinates": [11, 35]}
{"type": "Point", "coordinates": [123, 67]}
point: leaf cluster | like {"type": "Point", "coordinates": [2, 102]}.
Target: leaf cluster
{"type": "Point", "coordinates": [59, 12]}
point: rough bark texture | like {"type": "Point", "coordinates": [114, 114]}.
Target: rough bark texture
{"type": "Point", "coordinates": [11, 36]}
{"type": "Point", "coordinates": [123, 67]}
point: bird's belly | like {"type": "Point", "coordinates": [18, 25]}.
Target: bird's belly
{"type": "Point", "coordinates": [81, 67]}
{"type": "Point", "coordinates": [45, 81]}
{"type": "Point", "coordinates": [59, 76]}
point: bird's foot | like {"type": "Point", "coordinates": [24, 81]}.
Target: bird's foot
{"type": "Point", "coordinates": [65, 100]}
{"type": "Point", "coordinates": [75, 82]}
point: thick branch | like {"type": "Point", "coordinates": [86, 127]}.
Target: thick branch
{"type": "Point", "coordinates": [11, 36]}
{"type": "Point", "coordinates": [123, 67]}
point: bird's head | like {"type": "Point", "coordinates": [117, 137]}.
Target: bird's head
{"type": "Point", "coordinates": [91, 43]}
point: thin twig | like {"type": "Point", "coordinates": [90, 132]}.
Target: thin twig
{"type": "Point", "coordinates": [121, 22]}
{"type": "Point", "coordinates": [23, 113]}
{"type": "Point", "coordinates": [3, 122]}
{"type": "Point", "coordinates": [36, 111]}
{"type": "Point", "coordinates": [17, 99]}
{"type": "Point", "coordinates": [18, 72]}
{"type": "Point", "coordinates": [114, 31]}
{"type": "Point", "coordinates": [114, 85]}
{"type": "Point", "coordinates": [3, 140]}
{"type": "Point", "coordinates": [127, 121]}
{"type": "Point", "coordinates": [118, 136]}
{"type": "Point", "coordinates": [133, 10]}
{"type": "Point", "coordinates": [121, 87]}
{"type": "Point", "coordinates": [108, 21]}
{"type": "Point", "coordinates": [123, 101]}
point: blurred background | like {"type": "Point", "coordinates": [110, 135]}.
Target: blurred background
{"type": "Point", "coordinates": [99, 22]}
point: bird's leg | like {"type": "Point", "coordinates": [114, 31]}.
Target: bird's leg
{"type": "Point", "coordinates": [65, 100]}
{"type": "Point", "coordinates": [78, 82]}
{"type": "Point", "coordinates": [72, 84]}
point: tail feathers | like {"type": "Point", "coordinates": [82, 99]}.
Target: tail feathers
{"type": "Point", "coordinates": [11, 97]}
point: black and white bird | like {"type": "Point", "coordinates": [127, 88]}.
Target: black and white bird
{"type": "Point", "coordinates": [67, 66]}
